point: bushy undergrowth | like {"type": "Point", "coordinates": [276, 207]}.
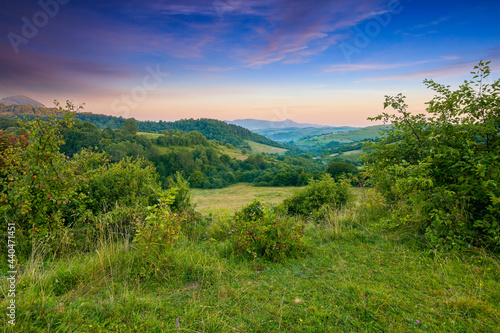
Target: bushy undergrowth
{"type": "Point", "coordinates": [259, 231]}
{"type": "Point", "coordinates": [439, 173]}
{"type": "Point", "coordinates": [325, 192]}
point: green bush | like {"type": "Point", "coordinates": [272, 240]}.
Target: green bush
{"type": "Point", "coordinates": [161, 227]}
{"type": "Point", "coordinates": [319, 193]}
{"type": "Point", "coordinates": [440, 172]}
{"type": "Point", "coordinates": [37, 181]}
{"type": "Point", "coordinates": [341, 169]}
{"type": "Point", "coordinates": [258, 231]}
{"type": "Point", "coordinates": [128, 182]}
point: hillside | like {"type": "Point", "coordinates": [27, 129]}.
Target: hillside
{"type": "Point", "coordinates": [294, 134]}
{"type": "Point", "coordinates": [332, 139]}
{"type": "Point", "coordinates": [15, 110]}
{"type": "Point", "coordinates": [212, 129]}
{"type": "Point", "coordinates": [19, 100]}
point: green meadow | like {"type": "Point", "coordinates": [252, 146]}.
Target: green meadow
{"type": "Point", "coordinates": [352, 278]}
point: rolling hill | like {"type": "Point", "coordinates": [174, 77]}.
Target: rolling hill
{"type": "Point", "coordinates": [331, 139]}
{"type": "Point", "coordinates": [212, 129]}
{"type": "Point", "coordinates": [293, 134]}
{"type": "Point", "coordinates": [20, 100]}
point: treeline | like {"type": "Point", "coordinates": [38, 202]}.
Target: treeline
{"type": "Point", "coordinates": [204, 163]}
{"type": "Point", "coordinates": [14, 110]}
{"type": "Point", "coordinates": [212, 129]}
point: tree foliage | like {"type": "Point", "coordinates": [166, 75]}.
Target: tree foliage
{"type": "Point", "coordinates": [440, 171]}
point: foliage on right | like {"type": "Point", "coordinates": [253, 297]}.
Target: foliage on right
{"type": "Point", "coordinates": [440, 172]}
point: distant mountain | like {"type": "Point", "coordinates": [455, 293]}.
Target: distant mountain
{"type": "Point", "coordinates": [254, 124]}
{"type": "Point", "coordinates": [295, 134]}
{"type": "Point", "coordinates": [20, 100]}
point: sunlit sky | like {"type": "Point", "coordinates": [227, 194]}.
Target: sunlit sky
{"type": "Point", "coordinates": [322, 61]}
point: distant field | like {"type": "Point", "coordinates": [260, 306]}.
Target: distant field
{"type": "Point", "coordinates": [345, 137]}
{"type": "Point", "coordinates": [236, 196]}
{"type": "Point", "coordinates": [297, 134]}
{"type": "Point", "coordinates": [351, 156]}
{"type": "Point", "coordinates": [260, 148]}
{"type": "Point", "coordinates": [149, 135]}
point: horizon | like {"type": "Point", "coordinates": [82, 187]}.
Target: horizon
{"type": "Point", "coordinates": [330, 63]}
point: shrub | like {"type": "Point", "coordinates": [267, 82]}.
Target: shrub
{"type": "Point", "coordinates": [341, 169]}
{"type": "Point", "coordinates": [440, 172]}
{"type": "Point", "coordinates": [161, 227]}
{"type": "Point", "coordinates": [37, 181]}
{"type": "Point", "coordinates": [264, 234]}
{"type": "Point", "coordinates": [128, 182]}
{"type": "Point", "coordinates": [316, 194]}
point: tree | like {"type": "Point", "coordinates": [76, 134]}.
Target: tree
{"type": "Point", "coordinates": [130, 127]}
{"type": "Point", "coordinates": [339, 169]}
{"type": "Point", "coordinates": [440, 172]}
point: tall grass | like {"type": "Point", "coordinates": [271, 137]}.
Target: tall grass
{"type": "Point", "coordinates": [355, 279]}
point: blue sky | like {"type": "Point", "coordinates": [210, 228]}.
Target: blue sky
{"type": "Point", "coordinates": [328, 62]}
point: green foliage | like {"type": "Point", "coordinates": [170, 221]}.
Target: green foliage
{"type": "Point", "coordinates": [259, 231]}
{"type": "Point", "coordinates": [161, 227]}
{"type": "Point", "coordinates": [339, 170]}
{"type": "Point", "coordinates": [182, 198]}
{"type": "Point", "coordinates": [37, 180]}
{"type": "Point", "coordinates": [440, 172]}
{"type": "Point", "coordinates": [128, 182]}
{"type": "Point", "coordinates": [319, 193]}
{"type": "Point", "coordinates": [129, 127]}
{"type": "Point", "coordinates": [252, 212]}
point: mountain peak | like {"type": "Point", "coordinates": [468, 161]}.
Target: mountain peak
{"type": "Point", "coordinates": [20, 100]}
{"type": "Point", "coordinates": [253, 124]}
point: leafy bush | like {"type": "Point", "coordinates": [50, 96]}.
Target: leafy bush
{"type": "Point", "coordinates": [128, 182]}
{"type": "Point", "coordinates": [161, 227]}
{"type": "Point", "coordinates": [317, 194]}
{"type": "Point", "coordinates": [37, 181]}
{"type": "Point", "coordinates": [341, 169]}
{"type": "Point", "coordinates": [440, 172]}
{"type": "Point", "coordinates": [264, 234]}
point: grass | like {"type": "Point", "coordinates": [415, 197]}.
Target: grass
{"type": "Point", "coordinates": [350, 156]}
{"type": "Point", "coordinates": [234, 197]}
{"type": "Point", "coordinates": [150, 135]}
{"type": "Point", "coordinates": [261, 148]}
{"type": "Point", "coordinates": [357, 135]}
{"type": "Point", "coordinates": [354, 279]}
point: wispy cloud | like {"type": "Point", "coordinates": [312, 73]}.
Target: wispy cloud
{"type": "Point", "coordinates": [385, 66]}
{"type": "Point", "coordinates": [459, 68]}
{"type": "Point", "coordinates": [209, 68]}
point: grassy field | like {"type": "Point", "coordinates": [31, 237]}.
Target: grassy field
{"type": "Point", "coordinates": [149, 135]}
{"type": "Point", "coordinates": [352, 278]}
{"type": "Point", "coordinates": [261, 148]}
{"type": "Point", "coordinates": [351, 156]}
{"type": "Point", "coordinates": [234, 197]}
{"type": "Point", "coordinates": [362, 134]}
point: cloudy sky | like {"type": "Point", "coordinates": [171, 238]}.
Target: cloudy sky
{"type": "Point", "coordinates": [321, 61]}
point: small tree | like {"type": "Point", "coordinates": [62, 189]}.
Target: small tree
{"type": "Point", "coordinates": [440, 172]}
{"type": "Point", "coordinates": [339, 169]}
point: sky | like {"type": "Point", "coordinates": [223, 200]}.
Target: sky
{"type": "Point", "coordinates": [327, 62]}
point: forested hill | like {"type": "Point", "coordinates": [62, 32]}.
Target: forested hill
{"type": "Point", "coordinates": [17, 110]}
{"type": "Point", "coordinates": [212, 129]}
{"type": "Point", "coordinates": [218, 130]}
